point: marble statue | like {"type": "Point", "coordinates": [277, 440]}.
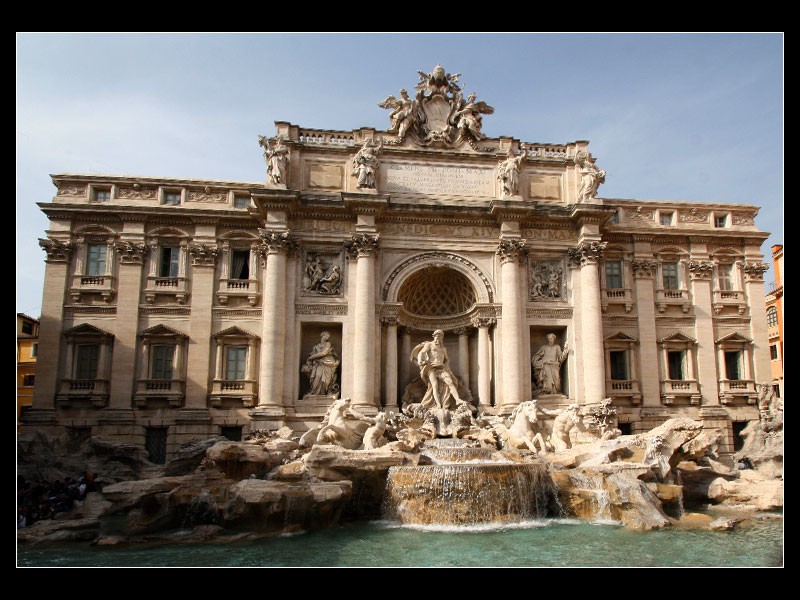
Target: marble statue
{"type": "Point", "coordinates": [565, 420]}
{"type": "Point", "coordinates": [320, 368]}
{"type": "Point", "coordinates": [523, 431]}
{"type": "Point", "coordinates": [321, 278]}
{"type": "Point", "coordinates": [508, 172]}
{"type": "Point", "coordinates": [339, 427]}
{"type": "Point", "coordinates": [591, 176]}
{"type": "Point", "coordinates": [276, 159]}
{"type": "Point", "coordinates": [434, 369]}
{"type": "Point", "coordinates": [403, 116]}
{"type": "Point", "coordinates": [332, 282]}
{"type": "Point", "coordinates": [468, 117]}
{"type": "Point", "coordinates": [366, 164]}
{"type": "Point", "coordinates": [547, 365]}
{"type": "Point", "coordinates": [373, 436]}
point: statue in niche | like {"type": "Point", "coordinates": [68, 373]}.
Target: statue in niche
{"type": "Point", "coordinates": [565, 420]}
{"type": "Point", "coordinates": [320, 368]}
{"type": "Point", "coordinates": [403, 116]}
{"type": "Point", "coordinates": [508, 172]}
{"type": "Point", "coordinates": [547, 365]}
{"type": "Point", "coordinates": [434, 370]}
{"type": "Point", "coordinates": [546, 281]}
{"type": "Point", "coordinates": [276, 159]}
{"type": "Point", "coordinates": [366, 164]}
{"type": "Point", "coordinates": [591, 176]}
{"type": "Point", "coordinates": [468, 117]}
{"type": "Point", "coordinates": [321, 277]}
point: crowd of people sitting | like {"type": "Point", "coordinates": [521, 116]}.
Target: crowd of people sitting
{"type": "Point", "coordinates": [41, 500]}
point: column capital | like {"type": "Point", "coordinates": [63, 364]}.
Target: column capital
{"type": "Point", "coordinates": [276, 242]}
{"type": "Point", "coordinates": [510, 249]}
{"type": "Point", "coordinates": [362, 244]}
{"type": "Point", "coordinates": [203, 255]}
{"type": "Point", "coordinates": [753, 271]}
{"type": "Point", "coordinates": [389, 321]}
{"type": "Point", "coordinates": [587, 253]}
{"type": "Point", "coordinates": [700, 269]}
{"type": "Point", "coordinates": [483, 322]}
{"type": "Point", "coordinates": [57, 251]}
{"type": "Point", "coordinates": [644, 269]}
{"type": "Point", "coordinates": [461, 331]}
{"type": "Point", "coordinates": [131, 253]}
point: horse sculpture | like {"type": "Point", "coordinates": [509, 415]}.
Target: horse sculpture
{"type": "Point", "coordinates": [523, 430]}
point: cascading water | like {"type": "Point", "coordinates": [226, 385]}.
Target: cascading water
{"type": "Point", "coordinates": [467, 485]}
{"type": "Point", "coordinates": [591, 486]}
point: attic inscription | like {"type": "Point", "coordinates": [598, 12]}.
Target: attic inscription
{"type": "Point", "coordinates": [447, 181]}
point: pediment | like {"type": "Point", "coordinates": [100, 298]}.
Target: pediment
{"type": "Point", "coordinates": [619, 336]}
{"type": "Point", "coordinates": [734, 337]}
{"type": "Point", "coordinates": [85, 329]}
{"type": "Point", "coordinates": [235, 332]}
{"type": "Point", "coordinates": [677, 336]}
{"type": "Point", "coordinates": [161, 331]}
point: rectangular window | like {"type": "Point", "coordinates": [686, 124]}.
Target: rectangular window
{"type": "Point", "coordinates": [101, 195]}
{"type": "Point", "coordinates": [235, 363]}
{"type": "Point", "coordinates": [234, 434]}
{"type": "Point", "coordinates": [720, 221]}
{"type": "Point", "coordinates": [669, 275]}
{"type": "Point", "coordinates": [162, 361]}
{"type": "Point", "coordinates": [732, 365]}
{"type": "Point", "coordinates": [28, 380]}
{"type": "Point", "coordinates": [675, 363]}
{"type": "Point", "coordinates": [27, 327]}
{"type": "Point", "coordinates": [613, 274]}
{"type": "Point", "coordinates": [776, 389]}
{"type": "Point", "coordinates": [86, 361]}
{"type": "Point", "coordinates": [614, 220]}
{"type": "Point", "coordinates": [240, 264]}
{"type": "Point", "coordinates": [155, 442]}
{"type": "Point", "coordinates": [665, 218]}
{"type": "Point", "coordinates": [172, 198]}
{"type": "Point", "coordinates": [34, 350]}
{"type": "Point", "coordinates": [241, 201]}
{"type": "Point", "coordinates": [724, 277]}
{"type": "Point", "coordinates": [96, 259]}
{"type": "Point", "coordinates": [168, 263]}
{"type": "Point", "coordinates": [773, 352]}
{"type": "Point", "coordinates": [619, 365]}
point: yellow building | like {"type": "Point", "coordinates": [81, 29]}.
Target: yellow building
{"type": "Point", "coordinates": [774, 303]}
{"type": "Point", "coordinates": [27, 349]}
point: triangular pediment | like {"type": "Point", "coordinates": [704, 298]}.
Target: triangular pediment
{"type": "Point", "coordinates": [85, 329]}
{"type": "Point", "coordinates": [619, 336]}
{"type": "Point", "coordinates": [734, 337]}
{"type": "Point", "coordinates": [677, 336]}
{"type": "Point", "coordinates": [161, 330]}
{"type": "Point", "coordinates": [235, 332]}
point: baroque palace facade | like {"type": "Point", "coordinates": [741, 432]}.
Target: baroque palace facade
{"type": "Point", "coordinates": [174, 309]}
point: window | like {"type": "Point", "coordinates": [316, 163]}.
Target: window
{"type": "Point", "coordinates": [732, 365]}
{"type": "Point", "coordinates": [155, 442]}
{"type": "Point", "coordinates": [96, 259]}
{"type": "Point", "coordinates": [235, 363]}
{"type": "Point", "coordinates": [776, 389]}
{"type": "Point", "coordinates": [241, 201]}
{"type": "Point", "coordinates": [724, 277]}
{"type": "Point", "coordinates": [669, 276]}
{"type": "Point", "coordinates": [240, 264]}
{"type": "Point", "coordinates": [625, 428]}
{"type": "Point", "coordinates": [101, 194]}
{"type": "Point", "coordinates": [665, 218]}
{"type": "Point", "coordinates": [34, 350]}
{"type": "Point", "coordinates": [619, 365]}
{"type": "Point", "coordinates": [172, 198]}
{"type": "Point", "coordinates": [613, 274]}
{"type": "Point", "coordinates": [28, 380]}
{"type": "Point", "coordinates": [614, 220]}
{"type": "Point", "coordinates": [720, 221]}
{"type": "Point", "coordinates": [162, 361]}
{"type": "Point", "coordinates": [234, 434]}
{"type": "Point", "coordinates": [168, 263]}
{"type": "Point", "coordinates": [27, 327]}
{"type": "Point", "coordinates": [772, 316]}
{"type": "Point", "coordinates": [773, 352]}
{"type": "Point", "coordinates": [675, 364]}
{"type": "Point", "coordinates": [86, 361]}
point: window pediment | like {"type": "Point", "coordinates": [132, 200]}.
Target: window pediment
{"type": "Point", "coordinates": [677, 336]}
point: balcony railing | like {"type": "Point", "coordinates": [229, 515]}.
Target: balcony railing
{"type": "Point", "coordinates": [92, 284]}
{"type": "Point", "coordinates": [166, 286]}
{"type": "Point", "coordinates": [241, 390]}
{"type": "Point", "coordinates": [247, 288]}
{"type": "Point", "coordinates": [624, 388]}
{"type": "Point", "coordinates": [731, 390]}
{"type": "Point", "coordinates": [621, 296]}
{"type": "Point", "coordinates": [680, 389]}
{"type": "Point", "coordinates": [665, 298]}
{"type": "Point", "coordinates": [171, 390]}
{"type": "Point", "coordinates": [80, 390]}
{"type": "Point", "coordinates": [732, 298]}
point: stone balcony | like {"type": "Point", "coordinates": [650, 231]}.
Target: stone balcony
{"type": "Point", "coordinates": [665, 298]}
{"type": "Point", "coordinates": [620, 389]}
{"type": "Point", "coordinates": [729, 298]}
{"type": "Point", "coordinates": [149, 391]}
{"type": "Point", "coordinates": [686, 390]}
{"type": "Point", "coordinates": [737, 391]}
{"type": "Point", "coordinates": [83, 391]}
{"type": "Point", "coordinates": [242, 392]}
{"type": "Point", "coordinates": [166, 286]}
{"type": "Point", "coordinates": [247, 288]}
{"type": "Point", "coordinates": [622, 296]}
{"type": "Point", "coordinates": [103, 285]}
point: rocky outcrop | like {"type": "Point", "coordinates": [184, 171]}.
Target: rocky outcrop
{"type": "Point", "coordinates": [60, 530]}
{"type": "Point", "coordinates": [240, 460]}
{"type": "Point", "coordinates": [751, 488]}
{"type": "Point", "coordinates": [190, 455]}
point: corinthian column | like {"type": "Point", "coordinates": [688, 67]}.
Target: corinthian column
{"type": "Point", "coordinates": [484, 360]}
{"type": "Point", "coordinates": [390, 376]}
{"type": "Point", "coordinates": [274, 248]}
{"type": "Point", "coordinates": [588, 255]}
{"type": "Point", "coordinates": [509, 251]}
{"type": "Point", "coordinates": [364, 246]}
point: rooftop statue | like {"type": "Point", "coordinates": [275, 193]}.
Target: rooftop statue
{"type": "Point", "coordinates": [276, 158]}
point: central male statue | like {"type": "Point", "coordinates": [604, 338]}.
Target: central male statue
{"type": "Point", "coordinates": [434, 369]}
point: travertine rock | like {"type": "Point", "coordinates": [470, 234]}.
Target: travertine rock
{"type": "Point", "coordinates": [239, 460]}
{"type": "Point", "coordinates": [190, 455]}
{"type": "Point", "coordinates": [752, 488]}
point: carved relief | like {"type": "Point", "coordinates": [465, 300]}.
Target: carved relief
{"type": "Point", "coordinates": [203, 255]}
{"type": "Point", "coordinates": [644, 269]}
{"type": "Point", "coordinates": [208, 195]}
{"type": "Point", "coordinates": [137, 192]}
{"type": "Point", "coordinates": [56, 251]}
{"type": "Point", "coordinates": [479, 322]}
{"type": "Point", "coordinates": [587, 253]}
{"type": "Point", "coordinates": [322, 274]}
{"type": "Point", "coordinates": [131, 252]}
{"type": "Point", "coordinates": [753, 271]}
{"type": "Point", "coordinates": [362, 244]}
{"type": "Point", "coordinates": [510, 250]}
{"type": "Point", "coordinates": [693, 216]}
{"type": "Point", "coordinates": [700, 269]}
{"type": "Point", "coordinates": [744, 219]}
{"type": "Point", "coordinates": [547, 280]}
{"type": "Point", "coordinates": [71, 189]}
{"type": "Point", "coordinates": [639, 214]}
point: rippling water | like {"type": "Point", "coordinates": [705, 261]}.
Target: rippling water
{"type": "Point", "coordinates": [536, 543]}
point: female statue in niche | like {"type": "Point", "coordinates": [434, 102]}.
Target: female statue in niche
{"type": "Point", "coordinates": [320, 367]}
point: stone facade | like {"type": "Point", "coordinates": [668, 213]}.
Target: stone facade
{"type": "Point", "coordinates": [175, 309]}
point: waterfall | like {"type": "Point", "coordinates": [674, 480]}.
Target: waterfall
{"type": "Point", "coordinates": [590, 485]}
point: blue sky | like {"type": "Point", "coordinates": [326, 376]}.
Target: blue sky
{"type": "Point", "coordinates": [670, 117]}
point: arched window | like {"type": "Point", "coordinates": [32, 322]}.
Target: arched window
{"type": "Point", "coordinates": [772, 317]}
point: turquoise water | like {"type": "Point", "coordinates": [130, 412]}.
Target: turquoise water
{"type": "Point", "coordinates": [538, 543]}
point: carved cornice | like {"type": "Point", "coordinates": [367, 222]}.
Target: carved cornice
{"type": "Point", "coordinates": [510, 249]}
{"type": "Point", "coordinates": [56, 250]}
{"type": "Point", "coordinates": [587, 253]}
{"type": "Point", "coordinates": [276, 242]}
{"type": "Point", "coordinates": [203, 255]}
{"type": "Point", "coordinates": [644, 269]}
{"type": "Point", "coordinates": [753, 271]}
{"type": "Point", "coordinates": [131, 253]}
{"type": "Point", "coordinates": [483, 322]}
{"type": "Point", "coordinates": [365, 203]}
{"type": "Point", "coordinates": [700, 269]}
{"type": "Point", "coordinates": [362, 244]}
